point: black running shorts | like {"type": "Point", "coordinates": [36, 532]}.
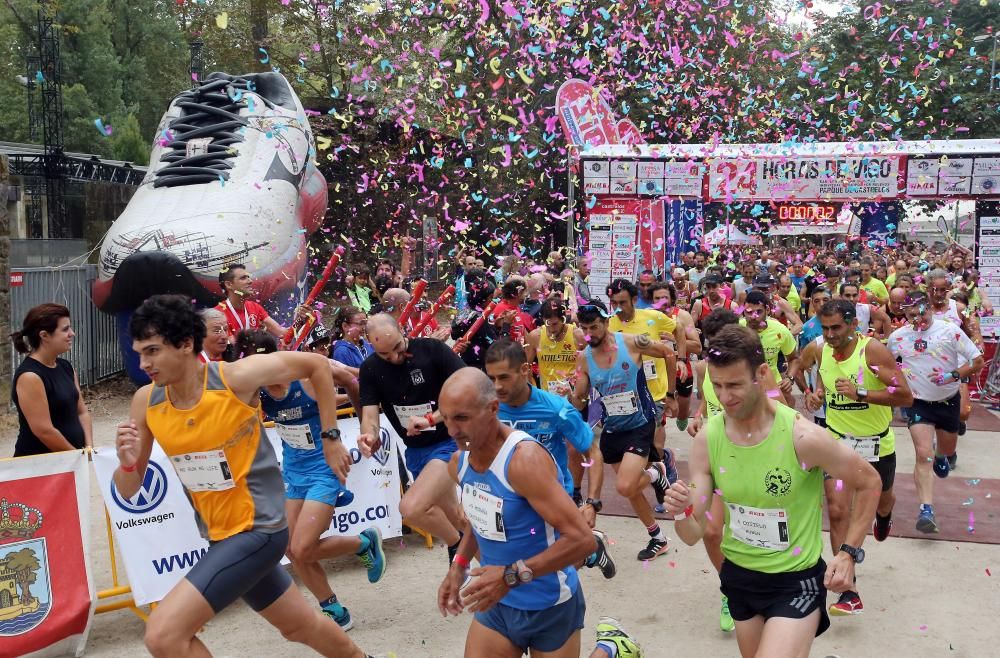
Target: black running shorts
{"type": "Point", "coordinates": [246, 565]}
{"type": "Point", "coordinates": [795, 594]}
{"type": "Point", "coordinates": [638, 441]}
{"type": "Point", "coordinates": [944, 415]}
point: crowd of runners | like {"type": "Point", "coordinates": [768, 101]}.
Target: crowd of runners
{"type": "Point", "coordinates": [786, 367]}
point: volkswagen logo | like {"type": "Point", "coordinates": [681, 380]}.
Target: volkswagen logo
{"type": "Point", "coordinates": [382, 454]}
{"type": "Point", "coordinates": [151, 493]}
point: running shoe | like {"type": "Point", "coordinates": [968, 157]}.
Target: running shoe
{"type": "Point", "coordinates": [881, 527]}
{"type": "Point", "coordinates": [660, 482]}
{"type": "Point", "coordinates": [726, 621]}
{"type": "Point", "coordinates": [373, 557]}
{"type": "Point", "coordinates": [952, 461]}
{"type": "Point", "coordinates": [848, 604]}
{"type": "Point", "coordinates": [610, 630]}
{"type": "Point", "coordinates": [926, 522]}
{"type": "Point", "coordinates": [671, 465]}
{"type": "Point", "coordinates": [941, 466]}
{"type": "Point", "coordinates": [339, 614]}
{"type": "Point", "coordinates": [654, 548]}
{"type": "Point", "coordinates": [660, 508]}
{"type": "Point", "coordinates": [601, 558]}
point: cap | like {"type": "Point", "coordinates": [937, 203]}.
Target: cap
{"type": "Point", "coordinates": [713, 279]}
{"type": "Point", "coordinates": [763, 281]}
{"type": "Point", "coordinates": [318, 335]}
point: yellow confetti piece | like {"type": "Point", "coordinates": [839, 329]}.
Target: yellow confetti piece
{"type": "Point", "coordinates": [323, 143]}
{"type": "Point", "coordinates": [222, 20]}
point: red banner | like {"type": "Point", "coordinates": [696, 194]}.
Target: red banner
{"type": "Point", "coordinates": [45, 588]}
{"type": "Point", "coordinates": [628, 133]}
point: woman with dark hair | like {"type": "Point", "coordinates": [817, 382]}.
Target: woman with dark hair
{"type": "Point", "coordinates": [351, 348]}
{"type": "Point", "coordinates": [51, 414]}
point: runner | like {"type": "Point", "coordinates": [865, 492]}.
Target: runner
{"type": "Point", "coordinates": [190, 409]}
{"type": "Point", "coordinates": [875, 288]}
{"type": "Point", "coordinates": [611, 363]}
{"type": "Point", "coordinates": [712, 300]}
{"type": "Point", "coordinates": [872, 320]}
{"type": "Point", "coordinates": [936, 356]}
{"type": "Point", "coordinates": [555, 345]}
{"type": "Point", "coordinates": [775, 337]}
{"type": "Point", "coordinates": [507, 316]}
{"type": "Point", "coordinates": [665, 300]}
{"type": "Point", "coordinates": [697, 273]}
{"type": "Point", "coordinates": [660, 379]}
{"type": "Point", "coordinates": [526, 594]}
{"type": "Point", "coordinates": [312, 491]}
{"type": "Point", "coordinates": [405, 379]}
{"type": "Point", "coordinates": [781, 310]}
{"type": "Point", "coordinates": [859, 384]}
{"type": "Point", "coordinates": [767, 464]}
{"type": "Point", "coordinates": [554, 423]}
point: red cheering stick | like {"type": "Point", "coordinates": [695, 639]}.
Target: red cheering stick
{"type": "Point", "coordinates": [476, 325]}
{"type": "Point", "coordinates": [418, 292]}
{"type": "Point", "coordinates": [417, 328]}
{"type": "Point", "coordinates": [307, 328]}
{"type": "Point", "coordinates": [318, 288]}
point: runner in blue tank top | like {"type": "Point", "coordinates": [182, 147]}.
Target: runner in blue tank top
{"type": "Point", "coordinates": [526, 596]}
{"type": "Point", "coordinates": [553, 422]}
{"type": "Point", "coordinates": [612, 365]}
{"type": "Point", "coordinates": [312, 491]}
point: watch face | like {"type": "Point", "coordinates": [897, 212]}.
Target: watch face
{"type": "Point", "coordinates": [525, 576]}
{"type": "Point", "coordinates": [510, 578]}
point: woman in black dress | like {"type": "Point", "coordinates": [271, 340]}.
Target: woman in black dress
{"type": "Point", "coordinates": [50, 410]}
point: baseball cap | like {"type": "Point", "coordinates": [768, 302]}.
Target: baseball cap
{"type": "Point", "coordinates": [712, 279]}
{"type": "Point", "coordinates": [318, 335]}
{"type": "Point", "coordinates": [763, 281]}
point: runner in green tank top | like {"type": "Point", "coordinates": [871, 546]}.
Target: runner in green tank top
{"type": "Point", "coordinates": [767, 464]}
{"type": "Point", "coordinates": [860, 383]}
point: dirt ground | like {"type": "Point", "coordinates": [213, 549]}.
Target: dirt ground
{"type": "Point", "coordinates": [922, 598]}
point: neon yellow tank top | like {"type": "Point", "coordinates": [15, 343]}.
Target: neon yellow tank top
{"type": "Point", "coordinates": [556, 358]}
{"type": "Point", "coordinates": [774, 508]}
{"type": "Point", "coordinates": [847, 416]}
{"type": "Point", "coordinates": [712, 404]}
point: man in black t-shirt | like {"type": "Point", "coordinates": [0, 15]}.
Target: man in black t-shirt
{"type": "Point", "coordinates": [404, 377]}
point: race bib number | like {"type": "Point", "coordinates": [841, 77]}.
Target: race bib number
{"type": "Point", "coordinates": [762, 528]}
{"type": "Point", "coordinates": [649, 367]}
{"type": "Point", "coordinates": [866, 446]}
{"type": "Point", "coordinates": [406, 412]}
{"type": "Point", "coordinates": [485, 513]}
{"type": "Point", "coordinates": [297, 436]}
{"type": "Point", "coordinates": [204, 471]}
{"type": "Point", "coordinates": [621, 404]}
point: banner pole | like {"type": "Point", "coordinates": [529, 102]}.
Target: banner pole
{"type": "Point", "coordinates": [117, 588]}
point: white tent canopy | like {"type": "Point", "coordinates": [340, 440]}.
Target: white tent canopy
{"type": "Point", "coordinates": [719, 236]}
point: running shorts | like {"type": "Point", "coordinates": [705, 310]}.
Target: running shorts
{"type": "Point", "coordinates": [638, 441]}
{"type": "Point", "coordinates": [246, 565]}
{"type": "Point", "coordinates": [541, 630]}
{"type": "Point", "coordinates": [323, 488]}
{"type": "Point", "coordinates": [886, 468]}
{"type": "Point", "coordinates": [418, 458]}
{"type": "Point", "coordinates": [943, 415]}
{"type": "Point", "coordinates": [794, 595]}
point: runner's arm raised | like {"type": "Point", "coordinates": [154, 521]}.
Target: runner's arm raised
{"type": "Point", "coordinates": [693, 498]}
{"type": "Point", "coordinates": [133, 443]}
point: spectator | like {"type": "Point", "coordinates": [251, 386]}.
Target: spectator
{"type": "Point", "coordinates": [216, 342]}
{"type": "Point", "coordinates": [351, 348]}
{"type": "Point", "coordinates": [51, 414]}
{"type": "Point", "coordinates": [361, 292]}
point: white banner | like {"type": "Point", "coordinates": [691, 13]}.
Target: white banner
{"type": "Point", "coordinates": [155, 529]}
{"type": "Point", "coordinates": [805, 179]}
{"type": "Point", "coordinates": [46, 590]}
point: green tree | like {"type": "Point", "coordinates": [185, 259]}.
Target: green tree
{"type": "Point", "coordinates": [24, 563]}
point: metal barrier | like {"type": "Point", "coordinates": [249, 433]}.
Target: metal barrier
{"type": "Point", "coordinates": [95, 354]}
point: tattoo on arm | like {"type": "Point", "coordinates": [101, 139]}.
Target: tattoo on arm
{"type": "Point", "coordinates": [642, 341]}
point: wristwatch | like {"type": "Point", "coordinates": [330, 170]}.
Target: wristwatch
{"type": "Point", "coordinates": [595, 503]}
{"type": "Point", "coordinates": [332, 434]}
{"type": "Point", "coordinates": [672, 394]}
{"type": "Point", "coordinates": [857, 554]}
{"type": "Point", "coordinates": [524, 574]}
{"type": "Point", "coordinates": [862, 394]}
{"type": "Point", "coordinates": [510, 576]}
{"type": "Point", "coordinates": [955, 375]}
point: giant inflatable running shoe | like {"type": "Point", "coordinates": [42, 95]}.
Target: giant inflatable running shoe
{"type": "Point", "coordinates": [231, 180]}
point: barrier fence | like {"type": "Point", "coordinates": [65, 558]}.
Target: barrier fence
{"type": "Point", "coordinates": [95, 354]}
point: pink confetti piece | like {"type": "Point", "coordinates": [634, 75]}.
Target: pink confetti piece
{"type": "Point", "coordinates": [587, 464]}
{"type": "Point", "coordinates": [839, 486]}
{"type": "Point", "coordinates": [796, 550]}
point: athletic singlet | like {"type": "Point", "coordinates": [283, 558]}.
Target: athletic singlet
{"type": "Point", "coordinates": [651, 323]}
{"type": "Point", "coordinates": [625, 397]}
{"type": "Point", "coordinates": [712, 405]}
{"type": "Point", "coordinates": [228, 469]}
{"type": "Point", "coordinates": [509, 529]}
{"type": "Point", "coordinates": [951, 315]}
{"type": "Point", "coordinates": [775, 339]}
{"type": "Point", "coordinates": [774, 508]}
{"type": "Point", "coordinates": [706, 307]}
{"type": "Point", "coordinates": [847, 416]}
{"type": "Point", "coordinates": [864, 314]}
{"type": "Point", "coordinates": [552, 421]}
{"type": "Point", "coordinates": [296, 418]}
{"type": "Point", "coordinates": [556, 358]}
